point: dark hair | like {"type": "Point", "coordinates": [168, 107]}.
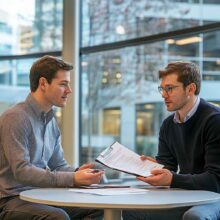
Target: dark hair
{"type": "Point", "coordinates": [47, 67]}
{"type": "Point", "coordinates": [187, 72]}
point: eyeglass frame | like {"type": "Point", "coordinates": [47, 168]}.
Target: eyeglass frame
{"type": "Point", "coordinates": [167, 89]}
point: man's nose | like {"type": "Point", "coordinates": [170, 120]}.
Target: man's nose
{"type": "Point", "coordinates": [68, 90]}
{"type": "Point", "coordinates": [164, 93]}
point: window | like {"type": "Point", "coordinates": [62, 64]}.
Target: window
{"type": "Point", "coordinates": [106, 22]}
{"type": "Point", "coordinates": [26, 33]}
{"type": "Point", "coordinates": [124, 44]}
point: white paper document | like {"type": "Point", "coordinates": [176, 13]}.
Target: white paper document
{"type": "Point", "coordinates": [101, 186]}
{"type": "Point", "coordinates": [111, 192]}
{"type": "Point", "coordinates": [120, 158]}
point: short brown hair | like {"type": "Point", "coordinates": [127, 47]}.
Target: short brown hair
{"type": "Point", "coordinates": [187, 72]}
{"type": "Point", "coordinates": [47, 67]}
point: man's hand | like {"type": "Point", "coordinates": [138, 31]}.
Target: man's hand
{"type": "Point", "coordinates": [160, 177]}
{"type": "Point", "coordinates": [86, 166]}
{"type": "Point", "coordinates": [87, 177]}
{"type": "Point", "coordinates": [148, 158]}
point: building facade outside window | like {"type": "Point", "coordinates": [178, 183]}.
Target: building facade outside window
{"type": "Point", "coordinates": [122, 77]}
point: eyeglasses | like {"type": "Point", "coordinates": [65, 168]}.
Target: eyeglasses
{"type": "Point", "coordinates": [167, 89]}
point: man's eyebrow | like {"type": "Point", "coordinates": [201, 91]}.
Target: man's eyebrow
{"type": "Point", "coordinates": [66, 81]}
{"type": "Point", "coordinates": [167, 85]}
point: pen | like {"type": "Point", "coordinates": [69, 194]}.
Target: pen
{"type": "Point", "coordinates": [97, 170]}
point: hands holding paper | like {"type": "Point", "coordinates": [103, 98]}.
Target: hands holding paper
{"type": "Point", "coordinates": [85, 175]}
{"type": "Point", "coordinates": [160, 177]}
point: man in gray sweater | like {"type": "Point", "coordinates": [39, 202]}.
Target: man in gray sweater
{"type": "Point", "coordinates": [31, 154]}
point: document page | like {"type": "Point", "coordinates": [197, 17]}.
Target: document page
{"type": "Point", "coordinates": [102, 186]}
{"type": "Point", "coordinates": [121, 158]}
{"type": "Point", "coordinates": [110, 192]}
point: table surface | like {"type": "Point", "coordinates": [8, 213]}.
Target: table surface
{"type": "Point", "coordinates": [153, 199]}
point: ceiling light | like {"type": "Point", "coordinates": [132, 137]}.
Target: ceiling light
{"type": "Point", "coordinates": [120, 29]}
{"type": "Point", "coordinates": [170, 41]}
{"type": "Point", "coordinates": [84, 63]}
{"type": "Point", "coordinates": [188, 40]}
{"type": "Point", "coordinates": [104, 80]}
{"type": "Point", "coordinates": [118, 75]}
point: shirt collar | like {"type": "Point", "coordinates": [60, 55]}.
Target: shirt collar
{"type": "Point", "coordinates": [189, 114]}
{"type": "Point", "coordinates": [37, 109]}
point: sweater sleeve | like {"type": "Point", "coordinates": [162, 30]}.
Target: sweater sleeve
{"type": "Point", "coordinates": [14, 135]}
{"type": "Point", "coordinates": [165, 155]}
{"type": "Point", "coordinates": [57, 161]}
{"type": "Point", "coordinates": [209, 179]}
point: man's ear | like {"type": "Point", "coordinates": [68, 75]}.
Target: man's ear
{"type": "Point", "coordinates": [42, 83]}
{"type": "Point", "coordinates": [192, 88]}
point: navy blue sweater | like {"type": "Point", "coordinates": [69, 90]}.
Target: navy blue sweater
{"type": "Point", "coordinates": [194, 148]}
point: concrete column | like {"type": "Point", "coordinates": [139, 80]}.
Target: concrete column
{"type": "Point", "coordinates": [70, 53]}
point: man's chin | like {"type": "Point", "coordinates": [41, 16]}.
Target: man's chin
{"type": "Point", "coordinates": [61, 105]}
{"type": "Point", "coordinates": [169, 109]}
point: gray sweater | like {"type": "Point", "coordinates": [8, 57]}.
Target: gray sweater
{"type": "Point", "coordinates": [31, 154]}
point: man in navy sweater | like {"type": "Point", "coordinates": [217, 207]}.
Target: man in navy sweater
{"type": "Point", "coordinates": [189, 144]}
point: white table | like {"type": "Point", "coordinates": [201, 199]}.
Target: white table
{"type": "Point", "coordinates": [112, 205]}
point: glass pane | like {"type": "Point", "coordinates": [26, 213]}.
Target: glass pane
{"type": "Point", "coordinates": [211, 53]}
{"type": "Point", "coordinates": [30, 26]}
{"type": "Point", "coordinates": [211, 2]}
{"type": "Point", "coordinates": [15, 72]}
{"type": "Point", "coordinates": [147, 127]}
{"type": "Point", "coordinates": [120, 100]}
{"type": "Point", "coordinates": [14, 82]}
{"type": "Point", "coordinates": [111, 122]}
{"type": "Point", "coordinates": [106, 21]}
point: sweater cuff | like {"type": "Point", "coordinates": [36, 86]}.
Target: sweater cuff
{"type": "Point", "coordinates": [174, 181]}
{"type": "Point", "coordinates": [65, 179]}
{"type": "Point", "coordinates": [179, 181]}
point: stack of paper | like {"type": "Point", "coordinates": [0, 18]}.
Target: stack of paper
{"type": "Point", "coordinates": [110, 192]}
